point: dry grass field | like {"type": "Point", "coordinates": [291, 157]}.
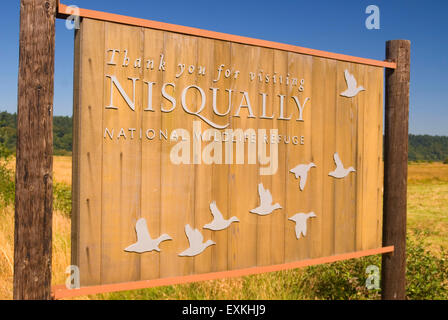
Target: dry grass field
{"type": "Point", "coordinates": [427, 214]}
{"type": "Point", "coordinates": [61, 234]}
{"type": "Point", "coordinates": [61, 249]}
{"type": "Point", "coordinates": [62, 169]}
{"type": "Point", "coordinates": [428, 202]}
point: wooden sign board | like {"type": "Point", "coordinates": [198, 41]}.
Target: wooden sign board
{"type": "Point", "coordinates": [171, 127]}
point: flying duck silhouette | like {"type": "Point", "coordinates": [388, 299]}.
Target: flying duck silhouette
{"type": "Point", "coordinates": [301, 171]}
{"type": "Point", "coordinates": [195, 238]}
{"type": "Point", "coordinates": [144, 241]}
{"type": "Point", "coordinates": [218, 223]}
{"type": "Point", "coordinates": [340, 172]}
{"type": "Point", "coordinates": [266, 207]}
{"type": "Point", "coordinates": [300, 219]}
{"type": "Point", "coordinates": [353, 89]}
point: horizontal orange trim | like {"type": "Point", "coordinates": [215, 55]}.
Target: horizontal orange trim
{"type": "Point", "coordinates": [60, 291]}
{"type": "Point", "coordinates": [103, 16]}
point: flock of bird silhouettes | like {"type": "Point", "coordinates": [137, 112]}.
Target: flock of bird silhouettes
{"type": "Point", "coordinates": [195, 238]}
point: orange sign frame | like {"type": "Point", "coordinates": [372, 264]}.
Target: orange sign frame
{"type": "Point", "coordinates": [60, 291]}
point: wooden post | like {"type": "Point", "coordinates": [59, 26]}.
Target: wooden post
{"type": "Point", "coordinates": [393, 281]}
{"type": "Point", "coordinates": [34, 162]}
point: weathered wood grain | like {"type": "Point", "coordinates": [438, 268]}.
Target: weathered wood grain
{"type": "Point", "coordinates": [396, 169]}
{"type": "Point", "coordinates": [151, 156]}
{"type": "Point", "coordinates": [34, 153]}
{"type": "Point", "coordinates": [121, 163]}
{"type": "Point", "coordinates": [88, 151]}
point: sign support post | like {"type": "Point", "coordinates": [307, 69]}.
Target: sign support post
{"type": "Point", "coordinates": [396, 169]}
{"type": "Point", "coordinates": [34, 161]}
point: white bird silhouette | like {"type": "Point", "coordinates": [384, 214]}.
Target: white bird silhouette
{"type": "Point", "coordinates": [195, 238]}
{"type": "Point", "coordinates": [301, 219]}
{"type": "Point", "coordinates": [301, 171]}
{"type": "Point", "coordinates": [352, 85]}
{"type": "Point", "coordinates": [144, 241]}
{"type": "Point", "coordinates": [340, 172]}
{"type": "Point", "coordinates": [266, 207]}
{"type": "Point", "coordinates": [218, 223]}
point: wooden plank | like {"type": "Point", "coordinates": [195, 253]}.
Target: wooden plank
{"type": "Point", "coordinates": [88, 154]}
{"type": "Point", "coordinates": [314, 114]}
{"type": "Point", "coordinates": [264, 223]}
{"type": "Point", "coordinates": [362, 164]}
{"type": "Point", "coordinates": [177, 191]}
{"type": "Point", "coordinates": [243, 236]}
{"type": "Point", "coordinates": [279, 217]}
{"type": "Point", "coordinates": [121, 190]}
{"type": "Point", "coordinates": [305, 129]}
{"type": "Point", "coordinates": [369, 160]}
{"type": "Point", "coordinates": [355, 124]}
{"type": "Point", "coordinates": [293, 247]}
{"type": "Point", "coordinates": [203, 185]}
{"type": "Point", "coordinates": [345, 224]}
{"type": "Point", "coordinates": [220, 173]}
{"type": "Point", "coordinates": [151, 151]}
{"type": "Point", "coordinates": [328, 84]}
{"type": "Point", "coordinates": [75, 215]}
{"type": "Point", "coordinates": [374, 231]}
{"type": "Point", "coordinates": [380, 143]}
{"type": "Point", "coordinates": [34, 153]}
{"type": "Point", "coordinates": [297, 200]}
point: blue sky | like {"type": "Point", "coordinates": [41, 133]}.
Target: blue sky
{"type": "Point", "coordinates": [336, 26]}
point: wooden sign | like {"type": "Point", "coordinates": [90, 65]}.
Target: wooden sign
{"type": "Point", "coordinates": [196, 155]}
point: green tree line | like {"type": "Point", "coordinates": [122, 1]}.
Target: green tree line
{"type": "Point", "coordinates": [428, 148]}
{"type": "Point", "coordinates": [421, 147]}
{"type": "Point", "coordinates": [62, 134]}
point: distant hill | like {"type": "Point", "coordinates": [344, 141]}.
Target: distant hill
{"type": "Point", "coordinates": [421, 147]}
{"type": "Point", "coordinates": [62, 133]}
{"type": "Point", "coordinates": [8, 128]}
{"type": "Point", "coordinates": [428, 148]}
